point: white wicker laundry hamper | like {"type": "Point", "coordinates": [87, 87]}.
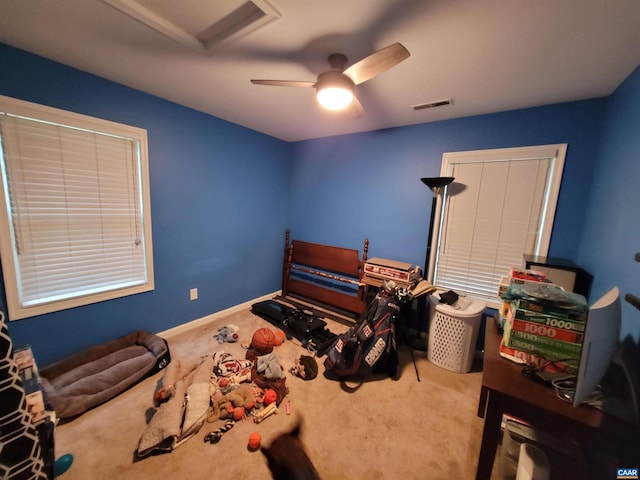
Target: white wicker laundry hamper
{"type": "Point", "coordinates": [453, 333]}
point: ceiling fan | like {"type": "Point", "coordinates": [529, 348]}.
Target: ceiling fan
{"type": "Point", "coordinates": [335, 88]}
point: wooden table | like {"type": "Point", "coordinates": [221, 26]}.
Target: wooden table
{"type": "Point", "coordinates": [506, 391]}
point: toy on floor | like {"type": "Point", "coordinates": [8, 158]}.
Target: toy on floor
{"type": "Point", "coordinates": [263, 341]}
{"type": "Point", "coordinates": [62, 464]}
{"type": "Point", "coordinates": [239, 413]}
{"type": "Point", "coordinates": [226, 365]}
{"type": "Point", "coordinates": [182, 416]}
{"type": "Point", "coordinates": [265, 412]}
{"type": "Point", "coordinates": [235, 403]}
{"type": "Point", "coordinates": [280, 337]}
{"type": "Point", "coordinates": [269, 365]}
{"type": "Point", "coordinates": [255, 439]}
{"type": "Point", "coordinates": [270, 396]}
{"type": "Point", "coordinates": [172, 374]}
{"type": "Point", "coordinates": [243, 376]}
{"type": "Point", "coordinates": [216, 435]}
{"type": "Point", "coordinates": [228, 333]}
{"type": "Point", "coordinates": [306, 368]}
{"type": "Point", "coordinates": [163, 394]}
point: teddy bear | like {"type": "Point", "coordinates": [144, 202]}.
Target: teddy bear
{"type": "Point", "coordinates": [235, 403]}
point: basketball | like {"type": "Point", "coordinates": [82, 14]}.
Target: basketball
{"type": "Point", "coordinates": [263, 341]}
{"type": "Point", "coordinates": [254, 441]}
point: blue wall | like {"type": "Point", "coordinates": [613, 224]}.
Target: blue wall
{"type": "Point", "coordinates": [219, 204]}
{"type": "Point", "coordinates": [368, 185]}
{"type": "Point", "coordinates": [611, 236]}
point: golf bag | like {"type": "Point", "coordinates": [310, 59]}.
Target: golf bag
{"type": "Point", "coordinates": [370, 347]}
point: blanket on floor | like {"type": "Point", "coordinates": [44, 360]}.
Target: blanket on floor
{"type": "Point", "coordinates": [184, 413]}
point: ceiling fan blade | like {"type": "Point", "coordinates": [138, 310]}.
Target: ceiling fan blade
{"type": "Point", "coordinates": [284, 83]}
{"type": "Point", "coordinates": [376, 63]}
{"type": "Point", "coordinates": [355, 108]}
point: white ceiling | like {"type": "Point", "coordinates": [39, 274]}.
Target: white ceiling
{"type": "Point", "coordinates": [487, 55]}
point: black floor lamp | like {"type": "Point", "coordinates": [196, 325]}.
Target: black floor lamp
{"type": "Point", "coordinates": [436, 184]}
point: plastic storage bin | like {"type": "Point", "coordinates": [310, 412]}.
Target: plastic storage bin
{"type": "Point", "coordinates": [453, 332]}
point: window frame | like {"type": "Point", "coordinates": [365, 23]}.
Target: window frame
{"type": "Point", "coordinates": [8, 252]}
{"type": "Point", "coordinates": [556, 152]}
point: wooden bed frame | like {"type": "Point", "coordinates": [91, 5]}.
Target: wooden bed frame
{"type": "Point", "coordinates": [327, 267]}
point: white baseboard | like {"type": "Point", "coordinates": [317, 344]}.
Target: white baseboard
{"type": "Point", "coordinates": [199, 322]}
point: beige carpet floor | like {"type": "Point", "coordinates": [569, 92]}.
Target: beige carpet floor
{"type": "Point", "coordinates": [388, 429]}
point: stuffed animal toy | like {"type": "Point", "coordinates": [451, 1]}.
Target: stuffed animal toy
{"type": "Point", "coordinates": [240, 399]}
{"type": "Point", "coordinates": [243, 396]}
{"type": "Point", "coordinates": [306, 368]}
{"type": "Point", "coordinates": [226, 365]}
{"type": "Point", "coordinates": [218, 401]}
{"type": "Point", "coordinates": [258, 393]}
{"type": "Point", "coordinates": [164, 393]}
{"type": "Point", "coordinates": [228, 333]}
{"type": "Point", "coordinates": [270, 366]}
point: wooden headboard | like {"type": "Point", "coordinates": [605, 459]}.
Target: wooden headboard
{"type": "Point", "coordinates": [325, 270]}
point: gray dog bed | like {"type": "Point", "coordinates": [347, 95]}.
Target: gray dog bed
{"type": "Point", "coordinates": [82, 381]}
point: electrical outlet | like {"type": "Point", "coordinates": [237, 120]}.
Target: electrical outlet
{"type": "Point", "coordinates": [193, 294]}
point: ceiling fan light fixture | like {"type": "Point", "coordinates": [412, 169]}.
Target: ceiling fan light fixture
{"type": "Point", "coordinates": [334, 90]}
{"type": "Point", "coordinates": [335, 98]}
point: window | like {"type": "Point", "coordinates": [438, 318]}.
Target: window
{"type": "Point", "coordinates": [500, 207]}
{"type": "Point", "coordinates": [74, 219]}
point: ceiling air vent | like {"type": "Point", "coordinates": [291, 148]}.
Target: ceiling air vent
{"type": "Point", "coordinates": [203, 26]}
{"type": "Point", "coordinates": [437, 103]}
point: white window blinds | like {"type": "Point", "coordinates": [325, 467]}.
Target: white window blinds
{"type": "Point", "coordinates": [75, 213]}
{"type": "Point", "coordinates": [503, 209]}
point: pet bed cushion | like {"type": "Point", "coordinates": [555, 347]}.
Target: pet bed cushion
{"type": "Point", "coordinates": [82, 381]}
